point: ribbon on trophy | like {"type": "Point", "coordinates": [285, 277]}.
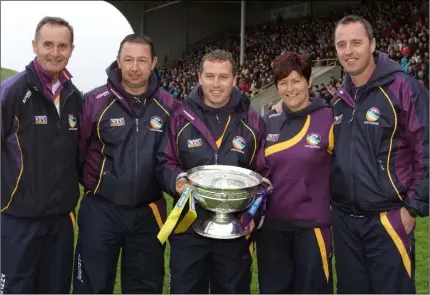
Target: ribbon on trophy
{"type": "Point", "coordinates": [260, 200]}
{"type": "Point", "coordinates": [174, 216]}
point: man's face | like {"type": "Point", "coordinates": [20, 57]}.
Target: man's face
{"type": "Point", "coordinates": [217, 81]}
{"type": "Point", "coordinates": [353, 47]}
{"type": "Point", "coordinates": [136, 64]}
{"type": "Point", "coordinates": [53, 48]}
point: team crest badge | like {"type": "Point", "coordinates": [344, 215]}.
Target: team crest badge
{"type": "Point", "coordinates": [72, 122]}
{"type": "Point", "coordinates": [372, 116]}
{"type": "Point", "coordinates": [313, 140]}
{"type": "Point", "coordinates": [156, 123]}
{"type": "Point", "coordinates": [239, 144]}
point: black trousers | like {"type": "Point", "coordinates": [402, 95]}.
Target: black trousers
{"type": "Point", "coordinates": [296, 261]}
{"type": "Point", "coordinates": [105, 228]}
{"type": "Point", "coordinates": [36, 254]}
{"type": "Point", "coordinates": [199, 264]}
{"type": "Point", "coordinates": [373, 254]}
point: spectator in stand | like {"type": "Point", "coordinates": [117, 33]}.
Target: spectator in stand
{"type": "Point", "coordinates": [401, 27]}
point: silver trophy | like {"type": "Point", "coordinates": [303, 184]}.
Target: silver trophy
{"type": "Point", "coordinates": [223, 190]}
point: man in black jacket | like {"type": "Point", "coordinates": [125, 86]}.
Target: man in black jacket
{"type": "Point", "coordinates": [215, 125]}
{"type": "Point", "coordinates": [380, 173]}
{"type": "Point", "coordinates": [39, 139]}
{"type": "Point", "coordinates": [122, 125]}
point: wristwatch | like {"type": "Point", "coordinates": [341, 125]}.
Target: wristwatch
{"type": "Point", "coordinates": [412, 211]}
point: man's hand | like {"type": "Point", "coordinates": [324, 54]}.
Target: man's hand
{"type": "Point", "coordinates": [408, 221]}
{"type": "Point", "coordinates": [180, 185]}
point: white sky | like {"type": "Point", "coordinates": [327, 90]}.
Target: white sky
{"type": "Point", "coordinates": [99, 28]}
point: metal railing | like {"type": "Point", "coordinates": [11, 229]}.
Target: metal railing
{"type": "Point", "coordinates": [326, 62]}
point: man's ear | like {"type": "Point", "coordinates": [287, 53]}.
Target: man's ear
{"type": "Point", "coordinates": [34, 45]}
{"type": "Point", "coordinates": [154, 61]}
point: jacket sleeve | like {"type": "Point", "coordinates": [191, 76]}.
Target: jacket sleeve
{"type": "Point", "coordinates": [168, 164]}
{"type": "Point", "coordinates": [259, 163]}
{"type": "Point", "coordinates": [415, 113]}
{"type": "Point", "coordinates": [85, 130]}
{"type": "Point", "coordinates": [7, 111]}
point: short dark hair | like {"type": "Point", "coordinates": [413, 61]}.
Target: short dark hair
{"type": "Point", "coordinates": [286, 63]}
{"type": "Point", "coordinates": [219, 56]}
{"type": "Point", "coordinates": [141, 39]}
{"type": "Point", "coordinates": [354, 19]}
{"type": "Point", "coordinates": [53, 20]}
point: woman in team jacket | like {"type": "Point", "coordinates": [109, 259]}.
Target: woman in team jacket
{"type": "Point", "coordinates": [294, 246]}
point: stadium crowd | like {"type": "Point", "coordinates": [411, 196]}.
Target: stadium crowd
{"type": "Point", "coordinates": [401, 30]}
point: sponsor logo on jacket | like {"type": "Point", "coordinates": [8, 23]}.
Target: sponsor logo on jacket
{"type": "Point", "coordinates": [27, 96]}
{"type": "Point", "coordinates": [116, 122]}
{"type": "Point", "coordinates": [40, 120]}
{"type": "Point", "coordinates": [272, 137]}
{"type": "Point", "coordinates": [102, 94]}
{"type": "Point", "coordinates": [192, 143]}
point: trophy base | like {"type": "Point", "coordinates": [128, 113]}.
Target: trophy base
{"type": "Point", "coordinates": [221, 230]}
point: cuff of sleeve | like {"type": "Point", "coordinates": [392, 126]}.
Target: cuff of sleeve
{"type": "Point", "coordinates": [417, 208]}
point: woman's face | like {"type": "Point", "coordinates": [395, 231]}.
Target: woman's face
{"type": "Point", "coordinates": [294, 91]}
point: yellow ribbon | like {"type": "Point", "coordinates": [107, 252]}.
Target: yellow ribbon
{"type": "Point", "coordinates": [188, 219]}
{"type": "Point", "coordinates": [174, 216]}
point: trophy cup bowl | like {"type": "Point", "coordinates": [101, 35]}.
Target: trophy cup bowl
{"type": "Point", "coordinates": [223, 190]}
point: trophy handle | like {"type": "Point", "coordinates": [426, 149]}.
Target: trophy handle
{"type": "Point", "coordinates": [266, 181]}
{"type": "Point", "coordinates": [265, 185]}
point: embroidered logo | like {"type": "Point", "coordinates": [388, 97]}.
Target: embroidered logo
{"type": "Point", "coordinates": [272, 137]}
{"type": "Point", "coordinates": [372, 116]}
{"type": "Point", "coordinates": [275, 115]}
{"type": "Point", "coordinates": [27, 96]}
{"type": "Point", "coordinates": [2, 282]}
{"type": "Point", "coordinates": [72, 122]}
{"type": "Point", "coordinates": [116, 93]}
{"type": "Point", "coordinates": [102, 94]}
{"type": "Point", "coordinates": [313, 140]}
{"type": "Point", "coordinates": [192, 143]}
{"type": "Point", "coordinates": [40, 120]}
{"type": "Point", "coordinates": [338, 119]}
{"type": "Point", "coordinates": [188, 115]}
{"type": "Point", "coordinates": [239, 144]}
{"type": "Point", "coordinates": [116, 122]}
{"type": "Point", "coordinates": [156, 124]}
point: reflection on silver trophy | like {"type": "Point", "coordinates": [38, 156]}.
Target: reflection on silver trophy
{"type": "Point", "coordinates": [223, 190]}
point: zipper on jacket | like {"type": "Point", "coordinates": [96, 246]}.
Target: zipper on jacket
{"type": "Point", "coordinates": [136, 156]}
{"type": "Point", "coordinates": [216, 158]}
{"type": "Point", "coordinates": [61, 108]}
{"type": "Point", "coordinates": [56, 112]}
{"type": "Point", "coordinates": [352, 116]}
{"type": "Point", "coordinates": [351, 159]}
{"type": "Point", "coordinates": [353, 110]}
{"type": "Point", "coordinates": [380, 164]}
{"type": "Point", "coordinates": [64, 103]}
